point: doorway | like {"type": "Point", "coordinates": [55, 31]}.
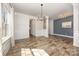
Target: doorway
{"type": "Point", "coordinates": [30, 27]}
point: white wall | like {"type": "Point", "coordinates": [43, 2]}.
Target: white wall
{"type": "Point", "coordinates": [5, 41]}
{"type": "Point", "coordinates": [33, 27]}
{"type": "Point", "coordinates": [12, 27]}
{"type": "Point", "coordinates": [76, 24]}
{"type": "Point", "coordinates": [21, 26]}
{"type": "Point", "coordinates": [51, 26]}
{"type": "Point", "coordinates": [45, 31]}
{"type": "Point", "coordinates": [0, 31]}
{"type": "Point", "coordinates": [37, 27]}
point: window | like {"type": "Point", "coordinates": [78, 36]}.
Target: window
{"type": "Point", "coordinates": [5, 21]}
{"type": "Point", "coordinates": [67, 24]}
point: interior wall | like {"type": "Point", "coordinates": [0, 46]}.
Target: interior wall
{"type": "Point", "coordinates": [58, 29]}
{"type": "Point", "coordinates": [51, 25]}
{"type": "Point", "coordinates": [45, 31]}
{"type": "Point", "coordinates": [32, 27]}
{"type": "Point", "coordinates": [64, 16]}
{"type": "Point", "coordinates": [5, 41]}
{"type": "Point", "coordinates": [0, 31]}
{"type": "Point", "coordinates": [37, 27]}
{"type": "Point", "coordinates": [21, 26]}
{"type": "Point", "coordinates": [76, 24]}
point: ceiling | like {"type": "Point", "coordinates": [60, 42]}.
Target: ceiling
{"type": "Point", "coordinates": [49, 9]}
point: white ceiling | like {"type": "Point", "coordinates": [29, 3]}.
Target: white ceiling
{"type": "Point", "coordinates": [50, 9]}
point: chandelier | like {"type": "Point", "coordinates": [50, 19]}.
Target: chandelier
{"type": "Point", "coordinates": [42, 18]}
{"type": "Point", "coordinates": [41, 13]}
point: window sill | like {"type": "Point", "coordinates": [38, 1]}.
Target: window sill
{"type": "Point", "coordinates": [4, 39]}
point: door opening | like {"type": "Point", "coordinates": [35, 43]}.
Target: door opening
{"type": "Point", "coordinates": [30, 27]}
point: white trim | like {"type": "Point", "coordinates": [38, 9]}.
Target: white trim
{"type": "Point", "coordinates": [63, 35]}
{"type": "Point", "coordinates": [76, 44]}
{"type": "Point", "coordinates": [5, 38]}
{"type": "Point", "coordinates": [76, 25]}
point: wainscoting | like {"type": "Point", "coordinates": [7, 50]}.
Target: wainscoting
{"type": "Point", "coordinates": [6, 46]}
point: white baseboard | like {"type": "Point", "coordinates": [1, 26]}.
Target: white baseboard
{"type": "Point", "coordinates": [63, 35]}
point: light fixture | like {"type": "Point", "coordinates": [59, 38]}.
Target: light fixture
{"type": "Point", "coordinates": [42, 18]}
{"type": "Point", "coordinates": [41, 10]}
{"type": "Point", "coordinates": [41, 13]}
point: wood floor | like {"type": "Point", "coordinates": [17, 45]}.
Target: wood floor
{"type": "Point", "coordinates": [54, 46]}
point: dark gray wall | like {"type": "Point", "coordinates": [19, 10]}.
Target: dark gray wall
{"type": "Point", "coordinates": [63, 31]}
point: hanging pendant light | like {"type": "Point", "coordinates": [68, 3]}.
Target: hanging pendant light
{"type": "Point", "coordinates": [43, 18]}
{"type": "Point", "coordinates": [41, 10]}
{"type": "Point", "coordinates": [41, 14]}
